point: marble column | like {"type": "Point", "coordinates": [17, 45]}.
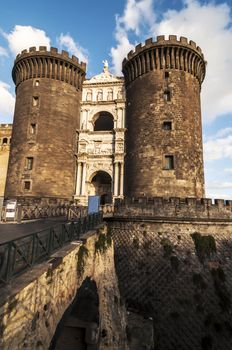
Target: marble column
{"type": "Point", "coordinates": [121, 178]}
{"type": "Point", "coordinates": [116, 179]}
{"type": "Point", "coordinates": [78, 183]}
{"type": "Point", "coordinates": [83, 179]}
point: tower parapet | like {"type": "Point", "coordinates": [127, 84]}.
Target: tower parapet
{"type": "Point", "coordinates": [165, 54]}
{"type": "Point", "coordinates": [48, 64]}
{"type": "Point", "coordinates": [163, 119]}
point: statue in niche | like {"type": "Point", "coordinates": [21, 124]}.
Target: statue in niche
{"type": "Point", "coordinates": [120, 94]}
{"type": "Point", "coordinates": [89, 96]}
{"type": "Point", "coordinates": [99, 96]}
{"type": "Point", "coordinates": [110, 95]}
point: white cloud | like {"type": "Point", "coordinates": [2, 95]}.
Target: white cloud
{"type": "Point", "coordinates": [118, 53]}
{"type": "Point", "coordinates": [137, 15]}
{"type": "Point", "coordinates": [66, 41]}
{"type": "Point", "coordinates": [228, 170]}
{"type": "Point", "coordinates": [23, 37]}
{"type": "Point", "coordinates": [218, 147]}
{"type": "Point", "coordinates": [3, 51]}
{"type": "Point", "coordinates": [208, 24]}
{"type": "Point", "coordinates": [7, 102]}
{"type": "Point", "coordinates": [220, 185]}
{"type": "Point", "coordinates": [219, 189]}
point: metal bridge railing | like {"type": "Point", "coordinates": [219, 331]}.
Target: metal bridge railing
{"type": "Point", "coordinates": [19, 254]}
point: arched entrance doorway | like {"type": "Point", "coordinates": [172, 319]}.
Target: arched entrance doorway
{"type": "Point", "coordinates": [79, 326]}
{"type": "Point", "coordinates": [101, 185]}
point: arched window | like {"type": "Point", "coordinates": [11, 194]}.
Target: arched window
{"type": "Point", "coordinates": [103, 121]}
{"type": "Point", "coordinates": [4, 141]}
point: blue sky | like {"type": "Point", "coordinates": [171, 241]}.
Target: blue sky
{"type": "Point", "coordinates": [97, 30]}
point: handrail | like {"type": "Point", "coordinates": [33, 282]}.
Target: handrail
{"type": "Point", "coordinates": [17, 255]}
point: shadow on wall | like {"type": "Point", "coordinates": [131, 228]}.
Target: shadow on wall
{"type": "Point", "coordinates": [79, 326]}
{"type": "Point", "coordinates": [180, 279]}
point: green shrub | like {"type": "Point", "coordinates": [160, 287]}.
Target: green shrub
{"type": "Point", "coordinates": [205, 246]}
{"type": "Point", "coordinates": [103, 242]}
{"type": "Point", "coordinates": [81, 257]}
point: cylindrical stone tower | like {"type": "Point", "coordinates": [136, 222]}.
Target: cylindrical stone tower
{"type": "Point", "coordinates": [42, 159]}
{"type": "Point", "coordinates": [163, 119]}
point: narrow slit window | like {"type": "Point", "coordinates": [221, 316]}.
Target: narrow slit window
{"type": "Point", "coordinates": [166, 75]}
{"type": "Point", "coordinates": [169, 162]}
{"type": "Point", "coordinates": [167, 125]}
{"type": "Point", "coordinates": [167, 95]}
{"type": "Point", "coordinates": [29, 163]}
{"type": "Point", "coordinates": [33, 128]}
{"type": "Point", "coordinates": [35, 101]}
{"type": "Point", "coordinates": [27, 185]}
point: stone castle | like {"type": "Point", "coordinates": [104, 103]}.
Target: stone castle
{"type": "Point", "coordinates": [172, 245]}
{"type": "Point", "coordinates": [68, 133]}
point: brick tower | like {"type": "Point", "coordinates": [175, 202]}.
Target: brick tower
{"type": "Point", "coordinates": [48, 94]}
{"type": "Point", "coordinates": [163, 119]}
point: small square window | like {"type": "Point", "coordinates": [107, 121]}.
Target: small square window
{"type": "Point", "coordinates": [37, 83]}
{"type": "Point", "coordinates": [167, 95]}
{"type": "Point", "coordinates": [168, 162]}
{"type": "Point", "coordinates": [167, 125]}
{"type": "Point", "coordinates": [27, 185]}
{"type": "Point", "coordinates": [35, 101]}
{"type": "Point", "coordinates": [29, 163]}
{"type": "Point", "coordinates": [33, 128]}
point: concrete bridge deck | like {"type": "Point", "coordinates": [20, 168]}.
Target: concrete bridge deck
{"type": "Point", "coordinates": [10, 231]}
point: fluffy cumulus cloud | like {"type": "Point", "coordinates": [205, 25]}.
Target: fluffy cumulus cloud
{"type": "Point", "coordinates": [23, 37]}
{"type": "Point", "coordinates": [137, 16]}
{"type": "Point", "coordinates": [219, 189]}
{"type": "Point", "coordinates": [208, 23]}
{"type": "Point", "coordinates": [7, 102]}
{"type": "Point", "coordinates": [67, 42]}
{"type": "Point", "coordinates": [219, 146]}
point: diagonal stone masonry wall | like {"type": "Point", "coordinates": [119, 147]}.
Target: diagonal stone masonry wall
{"type": "Point", "coordinates": [33, 304]}
{"type": "Point", "coordinates": [188, 293]}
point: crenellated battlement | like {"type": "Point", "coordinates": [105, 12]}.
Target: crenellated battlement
{"type": "Point", "coordinates": [50, 64]}
{"type": "Point", "coordinates": [8, 126]}
{"type": "Point", "coordinates": [52, 52]}
{"type": "Point", "coordinates": [164, 53]}
{"type": "Point", "coordinates": [174, 207]}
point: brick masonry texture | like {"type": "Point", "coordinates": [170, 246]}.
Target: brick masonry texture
{"type": "Point", "coordinates": [147, 142]}
{"type": "Point", "coordinates": [161, 275]}
{"type": "Point", "coordinates": [56, 84]}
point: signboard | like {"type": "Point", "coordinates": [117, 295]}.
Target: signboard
{"type": "Point", "coordinates": [11, 206]}
{"type": "Point", "coordinates": [93, 204]}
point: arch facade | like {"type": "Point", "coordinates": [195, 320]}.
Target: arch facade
{"type": "Point", "coordinates": [100, 146]}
